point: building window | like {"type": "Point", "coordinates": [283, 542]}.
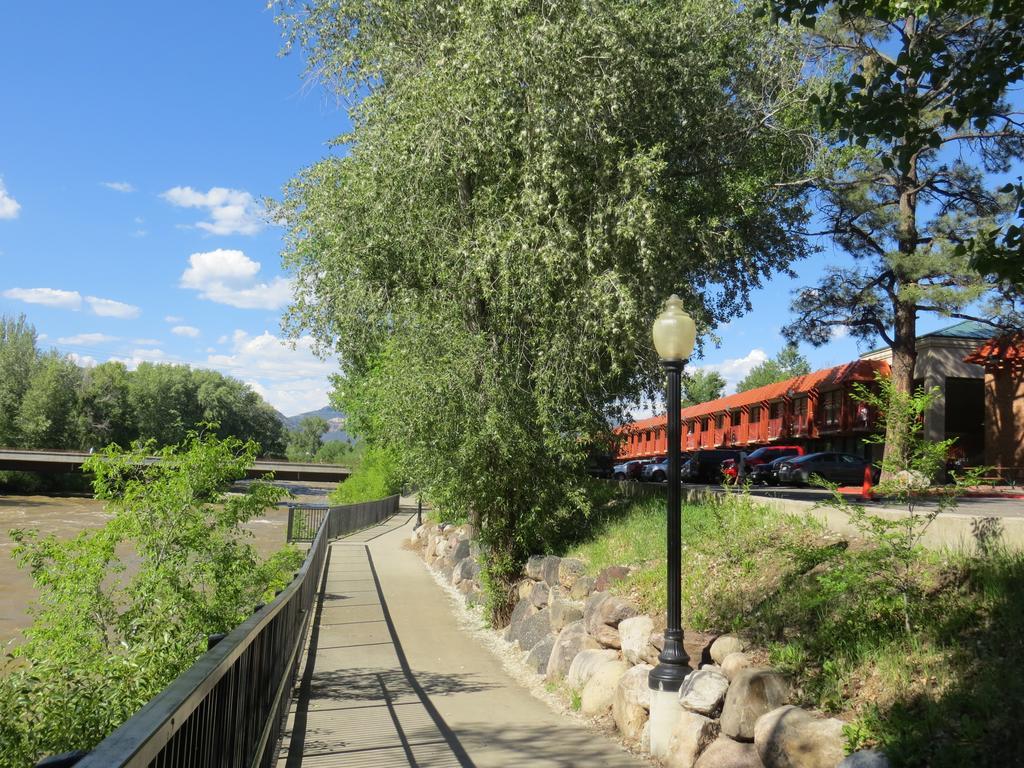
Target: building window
{"type": "Point", "coordinates": [800, 408]}
{"type": "Point", "coordinates": [690, 427]}
{"type": "Point", "coordinates": [831, 404]}
{"type": "Point", "coordinates": [775, 411]}
{"type": "Point", "coordinates": [719, 421]}
{"type": "Point", "coordinates": [755, 414]}
{"type": "Point", "coordinates": [734, 419]}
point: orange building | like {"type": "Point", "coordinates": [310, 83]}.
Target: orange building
{"type": "Point", "coordinates": [1003, 361]}
{"type": "Point", "coordinates": [817, 411]}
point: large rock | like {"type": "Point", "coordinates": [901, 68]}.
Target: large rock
{"type": "Point", "coordinates": [604, 619]}
{"type": "Point", "coordinates": [551, 564]}
{"type": "Point", "coordinates": [696, 644]}
{"type": "Point", "coordinates": [539, 594]}
{"type": "Point", "coordinates": [734, 662]}
{"type": "Point", "coordinates": [523, 609]}
{"type": "Point", "coordinates": [540, 655]}
{"type": "Point", "coordinates": [725, 645]}
{"type": "Point", "coordinates": [535, 568]}
{"type": "Point", "coordinates": [582, 589]}
{"type": "Point", "coordinates": [703, 692]}
{"type": "Point", "coordinates": [524, 589]}
{"type": "Point", "coordinates": [570, 641]}
{"type": "Point", "coordinates": [465, 570]}
{"type": "Point", "coordinates": [868, 758]}
{"type": "Point", "coordinates": [726, 753]}
{"type": "Point", "coordinates": [635, 637]}
{"type": "Point", "coordinates": [564, 613]}
{"type": "Point", "coordinates": [632, 702]}
{"type": "Point", "coordinates": [531, 630]}
{"type": "Point", "coordinates": [585, 663]}
{"type": "Point", "coordinates": [752, 693]}
{"type": "Point", "coordinates": [691, 734]}
{"type": "Point", "coordinates": [456, 551]}
{"type": "Point", "coordinates": [569, 571]}
{"type": "Point", "coordinates": [790, 737]}
{"type": "Point", "coordinates": [599, 692]}
{"type": "Point", "coordinates": [609, 576]}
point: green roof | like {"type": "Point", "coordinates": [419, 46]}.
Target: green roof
{"type": "Point", "coordinates": [968, 329]}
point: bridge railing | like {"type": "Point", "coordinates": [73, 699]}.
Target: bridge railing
{"type": "Point", "coordinates": [227, 710]}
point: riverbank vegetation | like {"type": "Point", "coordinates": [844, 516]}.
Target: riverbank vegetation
{"type": "Point", "coordinates": [48, 401]}
{"type": "Point", "coordinates": [124, 609]}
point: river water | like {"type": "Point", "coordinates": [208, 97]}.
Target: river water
{"type": "Point", "coordinates": [65, 516]}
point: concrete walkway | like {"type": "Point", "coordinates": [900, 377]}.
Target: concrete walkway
{"type": "Point", "coordinates": [390, 679]}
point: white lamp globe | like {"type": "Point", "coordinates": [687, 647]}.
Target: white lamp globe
{"type": "Point", "coordinates": [674, 331]}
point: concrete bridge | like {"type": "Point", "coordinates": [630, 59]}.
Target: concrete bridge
{"type": "Point", "coordinates": [71, 461]}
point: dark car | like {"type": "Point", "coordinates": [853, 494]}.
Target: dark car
{"type": "Point", "coordinates": [763, 455]}
{"type": "Point", "coordinates": [767, 473]}
{"type": "Point", "coordinates": [657, 470]}
{"type": "Point", "coordinates": [706, 466]}
{"type": "Point", "coordinates": [842, 468]}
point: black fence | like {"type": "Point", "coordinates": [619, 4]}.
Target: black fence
{"type": "Point", "coordinates": [227, 709]}
{"type": "Point", "coordinates": [304, 520]}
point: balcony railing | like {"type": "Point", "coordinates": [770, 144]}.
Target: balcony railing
{"type": "Point", "coordinates": [776, 428]}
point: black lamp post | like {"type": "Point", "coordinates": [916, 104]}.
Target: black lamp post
{"type": "Point", "coordinates": [674, 335]}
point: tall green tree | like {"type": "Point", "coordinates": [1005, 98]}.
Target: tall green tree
{"type": "Point", "coordinates": [48, 415]}
{"type": "Point", "coordinates": [164, 403]}
{"type": "Point", "coordinates": [919, 103]}
{"type": "Point", "coordinates": [524, 185]}
{"type": "Point", "coordinates": [702, 387]}
{"type": "Point", "coordinates": [305, 442]}
{"type": "Point", "coordinates": [106, 411]}
{"type": "Point", "coordinates": [785, 365]}
{"type": "Point", "coordinates": [17, 360]}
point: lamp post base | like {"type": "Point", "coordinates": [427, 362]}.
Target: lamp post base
{"type": "Point", "coordinates": [665, 712]}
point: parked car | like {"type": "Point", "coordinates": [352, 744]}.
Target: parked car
{"type": "Point", "coordinates": [627, 470]}
{"type": "Point", "coordinates": [705, 466]}
{"type": "Point", "coordinates": [842, 468]}
{"type": "Point", "coordinates": [730, 467]}
{"type": "Point", "coordinates": [768, 473]}
{"type": "Point", "coordinates": [657, 470]}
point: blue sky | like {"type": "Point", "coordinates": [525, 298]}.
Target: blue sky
{"type": "Point", "coordinates": [136, 142]}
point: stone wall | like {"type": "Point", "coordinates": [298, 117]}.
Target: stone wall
{"type": "Point", "coordinates": [598, 649]}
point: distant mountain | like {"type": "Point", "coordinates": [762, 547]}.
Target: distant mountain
{"type": "Point", "coordinates": [334, 418]}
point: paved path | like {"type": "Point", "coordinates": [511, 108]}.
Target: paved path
{"type": "Point", "coordinates": [391, 680]}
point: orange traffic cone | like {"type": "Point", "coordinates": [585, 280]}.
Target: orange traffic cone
{"type": "Point", "coordinates": [865, 491]}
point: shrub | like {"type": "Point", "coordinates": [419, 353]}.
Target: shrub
{"type": "Point", "coordinates": [375, 475]}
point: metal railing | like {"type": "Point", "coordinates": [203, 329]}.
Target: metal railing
{"type": "Point", "coordinates": [227, 709]}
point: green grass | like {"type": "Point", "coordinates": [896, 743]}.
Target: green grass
{"type": "Point", "coordinates": [946, 694]}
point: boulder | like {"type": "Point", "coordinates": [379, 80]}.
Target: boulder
{"type": "Point", "coordinates": [539, 594]}
{"type": "Point", "coordinates": [551, 564]}
{"type": "Point", "coordinates": [635, 637]}
{"type": "Point", "coordinates": [609, 576]}
{"type": "Point", "coordinates": [570, 641]}
{"type": "Point", "coordinates": [523, 609]}
{"type": "Point", "coordinates": [599, 692]}
{"type": "Point", "coordinates": [582, 588]}
{"type": "Point", "coordinates": [632, 702]}
{"type": "Point", "coordinates": [585, 663]}
{"type": "Point", "coordinates": [733, 663]}
{"type": "Point", "coordinates": [867, 758]}
{"type": "Point", "coordinates": [440, 546]}
{"type": "Point", "coordinates": [569, 571]}
{"type": "Point", "coordinates": [457, 550]}
{"type": "Point", "coordinates": [531, 630]}
{"type": "Point", "coordinates": [695, 644]}
{"type": "Point", "coordinates": [725, 645]}
{"type": "Point", "coordinates": [753, 692]}
{"type": "Point", "coordinates": [703, 692]}
{"type": "Point", "coordinates": [564, 613]}
{"type": "Point", "coordinates": [535, 567]}
{"type": "Point", "coordinates": [592, 604]}
{"type": "Point", "coordinates": [524, 589]}
{"type": "Point", "coordinates": [691, 734]}
{"type": "Point", "coordinates": [726, 753]}
{"type": "Point", "coordinates": [540, 654]}
{"type": "Point", "coordinates": [605, 617]}
{"type": "Point", "coordinates": [464, 571]}
{"type": "Point", "coordinates": [790, 737]}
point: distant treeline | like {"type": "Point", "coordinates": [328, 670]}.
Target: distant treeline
{"type": "Point", "coordinates": [48, 401]}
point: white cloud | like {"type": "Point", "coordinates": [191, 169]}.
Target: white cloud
{"type": "Point", "coordinates": [231, 211]}
{"type": "Point", "coordinates": [143, 355]}
{"type": "Point", "coordinates": [86, 339]}
{"type": "Point", "coordinates": [293, 380]}
{"type": "Point", "coordinates": [49, 297]}
{"type": "Point", "coordinates": [118, 186]}
{"type": "Point", "coordinates": [735, 369]}
{"type": "Point", "coordinates": [229, 277]}
{"type": "Point", "coordinates": [85, 361]}
{"type": "Point", "coordinates": [172, 319]}
{"type": "Point", "coordinates": [185, 330]}
{"type": "Point", "coordinates": [147, 342]}
{"type": "Point", "coordinates": [9, 207]}
{"type": "Point", "coordinates": [840, 332]}
{"type": "Point", "coordinates": [111, 308]}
